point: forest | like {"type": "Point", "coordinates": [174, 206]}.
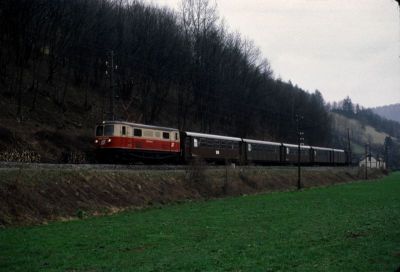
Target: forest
{"type": "Point", "coordinates": [138, 62]}
{"type": "Point", "coordinates": [66, 65]}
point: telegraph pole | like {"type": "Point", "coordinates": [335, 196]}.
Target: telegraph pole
{"type": "Point", "coordinates": [386, 155]}
{"type": "Point", "coordinates": [366, 162]}
{"type": "Point", "coordinates": [110, 72]}
{"type": "Point", "coordinates": [112, 85]}
{"type": "Point", "coordinates": [300, 139]}
{"type": "Point", "coordinates": [349, 148]}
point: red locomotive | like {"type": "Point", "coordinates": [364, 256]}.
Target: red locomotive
{"type": "Point", "coordinates": [128, 142]}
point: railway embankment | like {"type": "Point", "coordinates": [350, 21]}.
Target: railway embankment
{"type": "Point", "coordinates": [36, 195]}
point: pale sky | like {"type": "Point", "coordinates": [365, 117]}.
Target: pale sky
{"type": "Point", "coordinates": [340, 47]}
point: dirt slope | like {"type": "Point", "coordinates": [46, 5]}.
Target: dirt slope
{"type": "Point", "coordinates": [32, 196]}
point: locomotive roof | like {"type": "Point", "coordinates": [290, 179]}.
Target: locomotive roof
{"type": "Point", "coordinates": [211, 136]}
{"type": "Point", "coordinates": [137, 125]}
{"type": "Point", "coordinates": [260, 142]}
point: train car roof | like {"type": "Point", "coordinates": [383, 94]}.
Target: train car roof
{"type": "Point", "coordinates": [137, 125]}
{"type": "Point", "coordinates": [322, 148]}
{"type": "Point", "coordinates": [338, 150]}
{"type": "Point", "coordinates": [301, 146]}
{"type": "Point", "coordinates": [260, 142]}
{"type": "Point", "coordinates": [212, 136]}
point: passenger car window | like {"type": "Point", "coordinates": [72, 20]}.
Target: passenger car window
{"type": "Point", "coordinates": [195, 143]}
{"type": "Point", "coordinates": [165, 135]}
{"type": "Point", "coordinates": [176, 136]}
{"type": "Point", "coordinates": [137, 132]}
{"type": "Point", "coordinates": [108, 130]}
{"type": "Point", "coordinates": [249, 147]}
{"type": "Point", "coordinates": [287, 150]}
{"type": "Point", "coordinates": [123, 132]}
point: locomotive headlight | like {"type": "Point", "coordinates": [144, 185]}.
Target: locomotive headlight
{"type": "Point", "coordinates": [108, 140]}
{"type": "Point", "coordinates": [96, 141]}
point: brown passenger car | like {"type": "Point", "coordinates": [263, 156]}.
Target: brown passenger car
{"type": "Point", "coordinates": [339, 157]}
{"type": "Point", "coordinates": [262, 151]}
{"type": "Point", "coordinates": [290, 154]}
{"type": "Point", "coordinates": [210, 147]}
{"type": "Point", "coordinates": [322, 155]}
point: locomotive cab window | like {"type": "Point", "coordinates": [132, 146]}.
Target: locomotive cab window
{"type": "Point", "coordinates": [165, 135]}
{"type": "Point", "coordinates": [123, 130]}
{"type": "Point", "coordinates": [99, 131]}
{"type": "Point", "coordinates": [137, 132]}
{"type": "Point", "coordinates": [108, 130]}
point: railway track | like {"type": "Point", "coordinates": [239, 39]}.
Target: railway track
{"type": "Point", "coordinates": [50, 166]}
{"type": "Point", "coordinates": [141, 167]}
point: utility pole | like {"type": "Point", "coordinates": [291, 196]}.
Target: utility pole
{"type": "Point", "coordinates": [110, 72]}
{"type": "Point", "coordinates": [300, 139]}
{"type": "Point", "coordinates": [366, 162]}
{"type": "Point", "coordinates": [349, 148]}
{"type": "Point", "coordinates": [386, 155]}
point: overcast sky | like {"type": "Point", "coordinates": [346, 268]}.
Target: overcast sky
{"type": "Point", "coordinates": [340, 47]}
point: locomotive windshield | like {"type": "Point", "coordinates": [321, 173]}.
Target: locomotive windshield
{"type": "Point", "coordinates": [99, 130]}
{"type": "Point", "coordinates": [108, 130]}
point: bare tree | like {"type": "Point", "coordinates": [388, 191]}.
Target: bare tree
{"type": "Point", "coordinates": [198, 16]}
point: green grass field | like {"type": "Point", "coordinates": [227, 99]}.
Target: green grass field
{"type": "Point", "coordinates": [351, 227]}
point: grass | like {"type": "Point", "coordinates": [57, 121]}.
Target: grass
{"type": "Point", "coordinates": [351, 227]}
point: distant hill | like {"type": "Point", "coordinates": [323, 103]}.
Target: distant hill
{"type": "Point", "coordinates": [359, 133]}
{"type": "Point", "coordinates": [391, 112]}
{"type": "Point", "coordinates": [363, 127]}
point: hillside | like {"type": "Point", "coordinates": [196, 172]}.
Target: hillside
{"type": "Point", "coordinates": [41, 194]}
{"type": "Point", "coordinates": [66, 65]}
{"type": "Point", "coordinates": [361, 134]}
{"type": "Point", "coordinates": [391, 112]}
{"type": "Point", "coordinates": [358, 132]}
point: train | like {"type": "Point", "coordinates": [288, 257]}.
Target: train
{"type": "Point", "coordinates": [127, 142]}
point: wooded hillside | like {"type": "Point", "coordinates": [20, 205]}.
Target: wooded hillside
{"type": "Point", "coordinates": [67, 64]}
{"type": "Point", "coordinates": [391, 112]}
{"type": "Point", "coordinates": [363, 126]}
{"type": "Point", "coordinates": [179, 69]}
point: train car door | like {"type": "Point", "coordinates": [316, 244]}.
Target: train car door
{"type": "Point", "coordinates": [166, 141]}
{"type": "Point", "coordinates": [174, 143]}
{"type": "Point", "coordinates": [124, 134]}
